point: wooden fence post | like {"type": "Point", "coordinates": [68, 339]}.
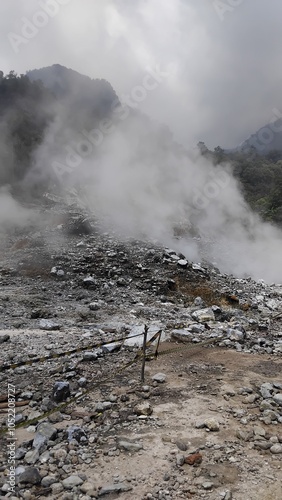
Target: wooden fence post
{"type": "Point", "coordinates": [144, 354]}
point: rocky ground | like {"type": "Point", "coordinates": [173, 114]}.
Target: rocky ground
{"type": "Point", "coordinates": [205, 422]}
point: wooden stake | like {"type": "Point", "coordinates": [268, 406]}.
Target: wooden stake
{"type": "Point", "coordinates": [144, 354]}
{"type": "Point", "coordinates": [158, 343]}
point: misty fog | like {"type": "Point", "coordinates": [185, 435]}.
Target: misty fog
{"type": "Point", "coordinates": [145, 186]}
{"type": "Point", "coordinates": [144, 182]}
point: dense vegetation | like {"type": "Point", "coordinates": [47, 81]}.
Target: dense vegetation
{"type": "Point", "coordinates": [259, 175]}
{"type": "Point", "coordinates": [25, 111]}
{"type": "Point", "coordinates": [29, 103]}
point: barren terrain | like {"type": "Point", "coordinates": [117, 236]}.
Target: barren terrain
{"type": "Point", "coordinates": [205, 422]}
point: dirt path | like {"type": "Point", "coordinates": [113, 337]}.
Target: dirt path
{"type": "Point", "coordinates": [202, 384]}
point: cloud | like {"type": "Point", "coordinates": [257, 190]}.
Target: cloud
{"type": "Point", "coordinates": [227, 73]}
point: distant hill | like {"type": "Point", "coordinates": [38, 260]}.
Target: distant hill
{"type": "Point", "coordinates": [92, 98]}
{"type": "Point", "coordinates": [45, 111]}
{"type": "Point", "coordinates": [266, 139]}
{"type": "Point", "coordinates": [30, 103]}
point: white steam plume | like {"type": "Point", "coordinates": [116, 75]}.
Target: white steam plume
{"type": "Point", "coordinates": [146, 185]}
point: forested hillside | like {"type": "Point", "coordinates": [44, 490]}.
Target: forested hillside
{"type": "Point", "coordinates": [26, 108]}
{"type": "Point", "coordinates": [259, 175]}
{"type": "Point", "coordinates": [85, 100]}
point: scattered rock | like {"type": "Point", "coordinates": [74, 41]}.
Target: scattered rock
{"type": "Point", "coordinates": [182, 262]}
{"type": "Point", "coordinates": [4, 338]}
{"type": "Point", "coordinates": [276, 449]}
{"type": "Point", "coordinates": [182, 335]}
{"type": "Point", "coordinates": [194, 459]}
{"type": "Point", "coordinates": [212, 424]}
{"type": "Point", "coordinates": [143, 409]}
{"type": "Point", "coordinates": [47, 481]}
{"type": "Point", "coordinates": [159, 377]}
{"type": "Point", "coordinates": [47, 324]}
{"type": "Point", "coordinates": [181, 446]}
{"type": "Point", "coordinates": [70, 482]}
{"type": "Point", "coordinates": [266, 390]}
{"type": "Point", "coordinates": [203, 315]}
{"type": "Point", "coordinates": [235, 335]}
{"type": "Point", "coordinates": [259, 431]}
{"type": "Point", "coordinates": [89, 282]}
{"type": "Point", "coordinates": [207, 485]}
{"type": "Point", "coordinates": [32, 456]}
{"type": "Point", "coordinates": [76, 433]}
{"type": "Point", "coordinates": [114, 488]}
{"type": "Point", "coordinates": [278, 399]}
{"type": "Point", "coordinates": [61, 391]}
{"type": "Point", "coordinates": [94, 306]}
{"type": "Point", "coordinates": [90, 356]}
{"type": "Point", "coordinates": [180, 459]}
{"type": "Point", "coordinates": [137, 283]}
{"type": "Point", "coordinates": [82, 382]}
{"type": "Point", "coordinates": [129, 446]}
{"type": "Point", "coordinates": [30, 475]}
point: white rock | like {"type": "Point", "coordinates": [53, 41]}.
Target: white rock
{"type": "Point", "coordinates": [278, 399]}
{"type": "Point", "coordinates": [203, 315]}
{"type": "Point", "coordinates": [159, 377]}
{"type": "Point", "coordinates": [183, 262]}
{"type": "Point", "coordinates": [182, 335]}
{"type": "Point", "coordinates": [198, 267]}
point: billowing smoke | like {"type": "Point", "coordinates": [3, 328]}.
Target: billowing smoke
{"type": "Point", "coordinates": [12, 214]}
{"type": "Point", "coordinates": [182, 63]}
{"type": "Point", "coordinates": [144, 185]}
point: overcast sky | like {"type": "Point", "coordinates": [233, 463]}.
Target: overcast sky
{"type": "Point", "coordinates": [221, 59]}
